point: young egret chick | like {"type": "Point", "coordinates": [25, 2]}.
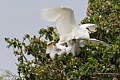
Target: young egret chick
{"type": "Point", "coordinates": [54, 49]}
{"type": "Point", "coordinates": [82, 43]}
{"type": "Point", "coordinates": [50, 46]}
{"type": "Point", "coordinates": [73, 47]}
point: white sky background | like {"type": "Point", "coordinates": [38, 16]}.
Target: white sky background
{"type": "Point", "coordinates": [19, 17]}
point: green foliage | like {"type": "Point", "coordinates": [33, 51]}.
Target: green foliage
{"type": "Point", "coordinates": [94, 61]}
{"type": "Point", "coordinates": [7, 75]}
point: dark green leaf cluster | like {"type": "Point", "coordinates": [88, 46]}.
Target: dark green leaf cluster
{"type": "Point", "coordinates": [94, 62]}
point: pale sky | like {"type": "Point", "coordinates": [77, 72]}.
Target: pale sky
{"type": "Point", "coordinates": [19, 17]}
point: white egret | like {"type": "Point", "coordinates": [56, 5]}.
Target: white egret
{"type": "Point", "coordinates": [50, 46]}
{"type": "Point", "coordinates": [53, 49]}
{"type": "Point", "coordinates": [73, 47]}
{"type": "Point", "coordinates": [65, 23]}
{"type": "Point", "coordinates": [69, 31]}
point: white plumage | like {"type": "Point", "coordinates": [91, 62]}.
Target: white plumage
{"type": "Point", "coordinates": [69, 31]}
{"type": "Point", "coordinates": [63, 18]}
{"type": "Point", "coordinates": [65, 23]}
{"type": "Point", "coordinates": [73, 47]}
{"type": "Point", "coordinates": [83, 31]}
{"type": "Point", "coordinates": [54, 49]}
{"type": "Point", "coordinates": [50, 46]}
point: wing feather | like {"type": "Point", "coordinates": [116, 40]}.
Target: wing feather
{"type": "Point", "coordinates": [95, 41]}
{"type": "Point", "coordinates": [63, 18]}
{"type": "Point", "coordinates": [91, 27]}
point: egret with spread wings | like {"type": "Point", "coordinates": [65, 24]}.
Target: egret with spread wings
{"type": "Point", "coordinates": [65, 23]}
{"type": "Point", "coordinates": [70, 32]}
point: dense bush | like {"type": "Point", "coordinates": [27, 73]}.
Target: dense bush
{"type": "Point", "coordinates": [94, 61]}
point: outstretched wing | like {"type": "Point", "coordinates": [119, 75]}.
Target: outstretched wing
{"type": "Point", "coordinates": [63, 18]}
{"type": "Point", "coordinates": [95, 41]}
{"type": "Point", "coordinates": [90, 27]}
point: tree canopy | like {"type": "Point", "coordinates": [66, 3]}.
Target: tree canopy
{"type": "Point", "coordinates": [94, 61]}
